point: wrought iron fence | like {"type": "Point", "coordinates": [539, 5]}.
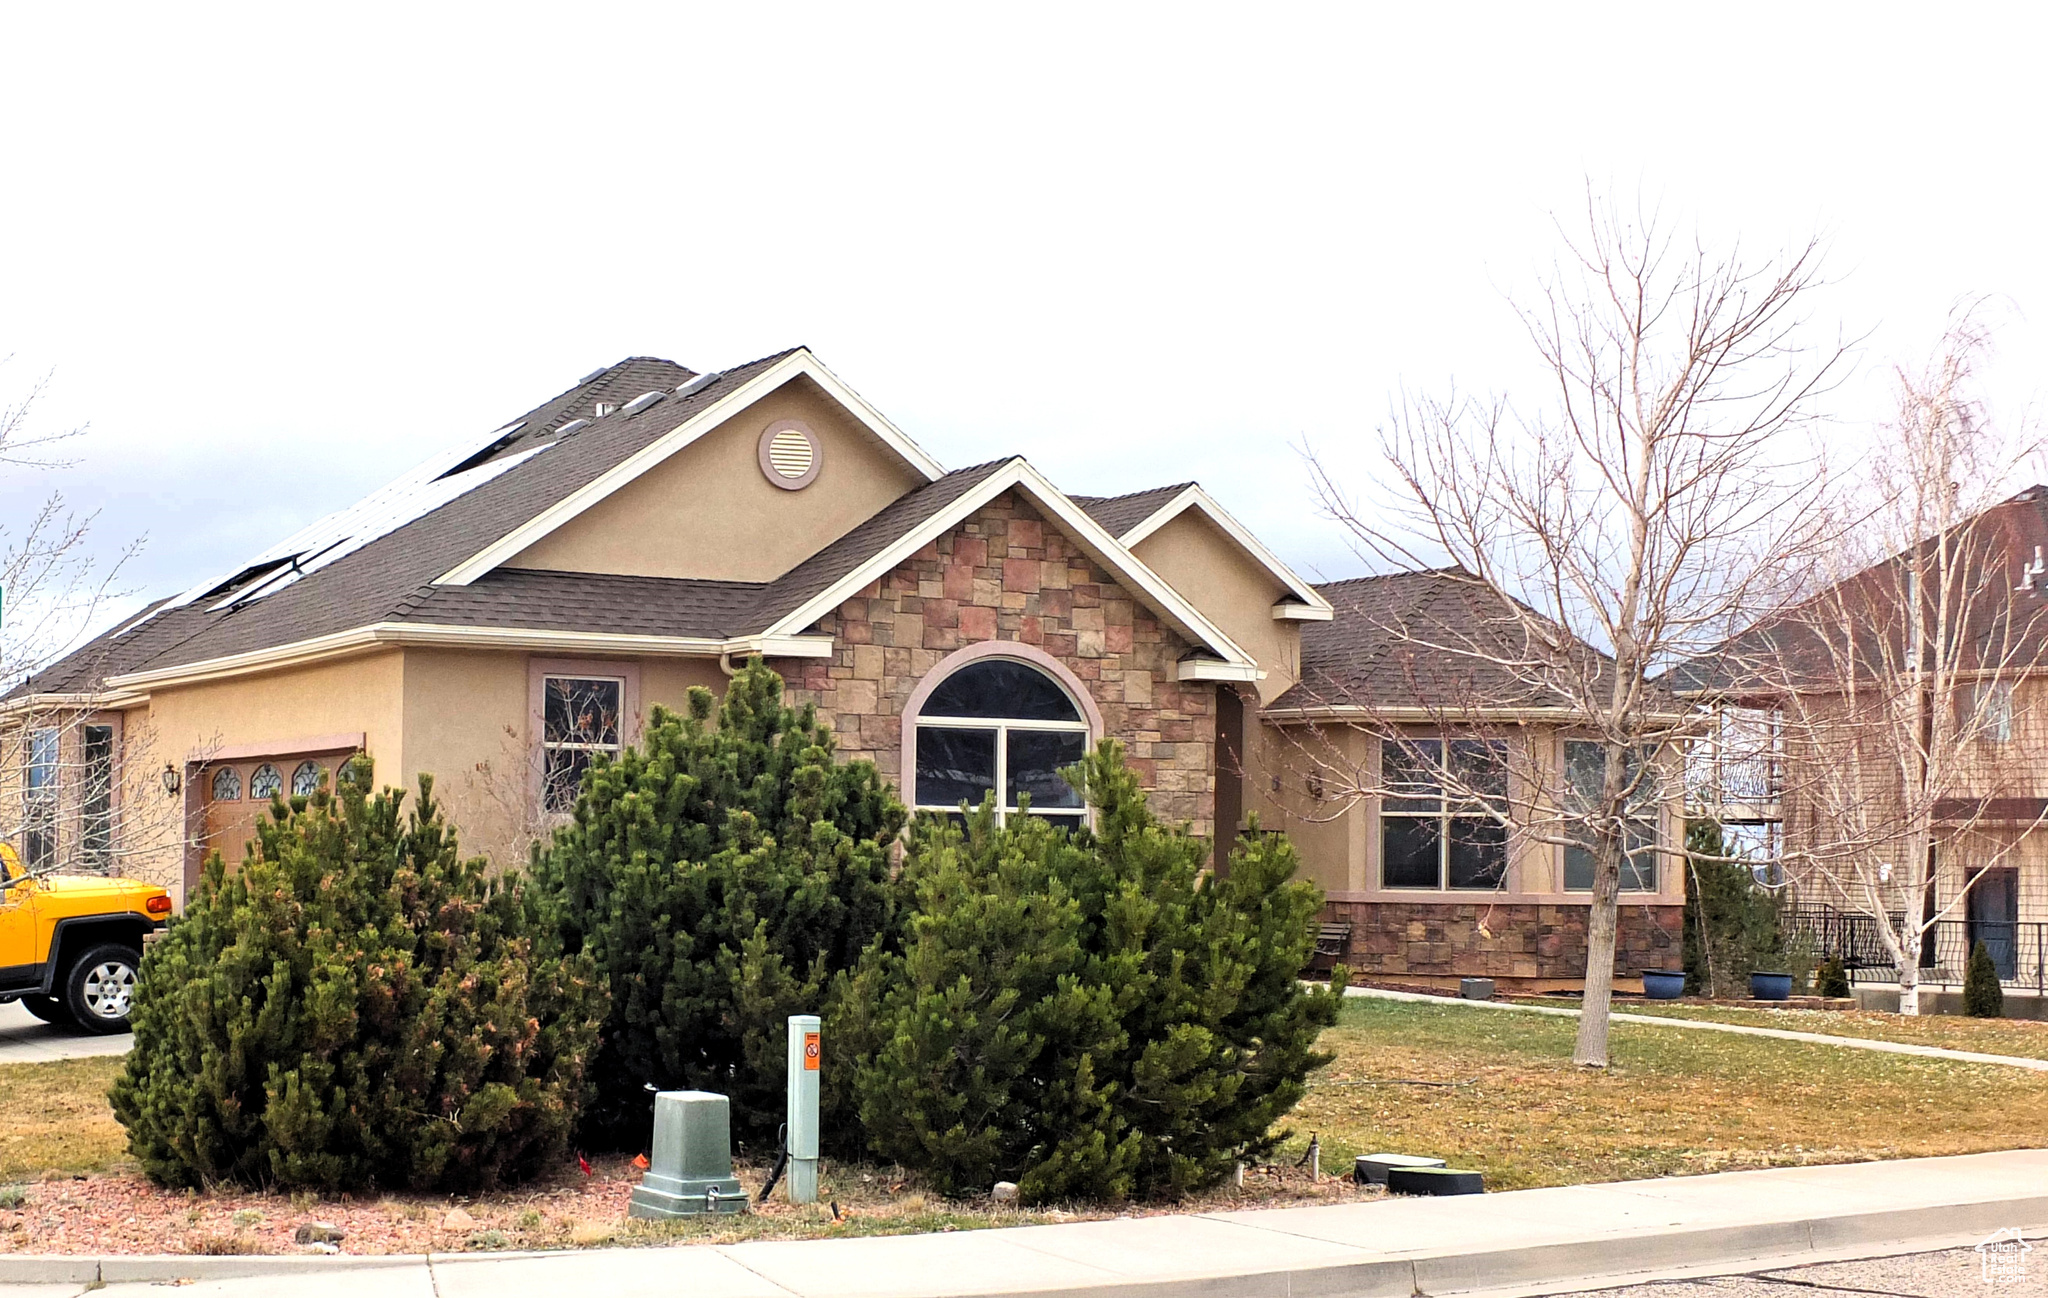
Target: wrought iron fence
{"type": "Point", "coordinates": [2018, 951]}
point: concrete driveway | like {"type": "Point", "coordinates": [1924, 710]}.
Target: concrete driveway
{"type": "Point", "coordinates": [26, 1039]}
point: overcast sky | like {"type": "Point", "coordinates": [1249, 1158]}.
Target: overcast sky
{"type": "Point", "coordinates": [274, 256]}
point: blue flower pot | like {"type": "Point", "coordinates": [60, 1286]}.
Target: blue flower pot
{"type": "Point", "coordinates": [1663, 984]}
{"type": "Point", "coordinates": [1770, 986]}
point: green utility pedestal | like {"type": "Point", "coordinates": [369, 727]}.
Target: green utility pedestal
{"type": "Point", "coordinates": [690, 1170]}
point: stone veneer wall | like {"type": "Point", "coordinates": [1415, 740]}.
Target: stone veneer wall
{"type": "Point", "coordinates": [1007, 574]}
{"type": "Point", "coordinates": [1546, 943]}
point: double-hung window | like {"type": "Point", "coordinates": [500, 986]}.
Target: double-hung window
{"type": "Point", "coordinates": [580, 718]}
{"type": "Point", "coordinates": [1987, 711]}
{"type": "Point", "coordinates": [1585, 765]}
{"type": "Point", "coordinates": [1003, 727]}
{"type": "Point", "coordinates": [1440, 815]}
{"type": "Point", "coordinates": [39, 832]}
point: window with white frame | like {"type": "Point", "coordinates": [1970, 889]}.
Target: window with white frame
{"type": "Point", "coordinates": [39, 830]}
{"type": "Point", "coordinates": [1003, 727]}
{"type": "Point", "coordinates": [581, 718]}
{"type": "Point", "coordinates": [1585, 764]}
{"type": "Point", "coordinates": [1988, 712]}
{"type": "Point", "coordinates": [1440, 817]}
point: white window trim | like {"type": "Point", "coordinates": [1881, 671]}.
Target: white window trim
{"type": "Point", "coordinates": [1016, 651]}
{"type": "Point", "coordinates": [539, 672]}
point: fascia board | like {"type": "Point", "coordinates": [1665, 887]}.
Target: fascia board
{"type": "Point", "coordinates": [381, 635]}
{"type": "Point", "coordinates": [800, 363]}
{"type": "Point", "coordinates": [1345, 712]}
{"type": "Point", "coordinates": [1211, 669]}
{"type": "Point", "coordinates": [1093, 540]}
{"type": "Point", "coordinates": [1286, 611]}
{"type": "Point", "coordinates": [1194, 497]}
{"type": "Point", "coordinates": [71, 702]}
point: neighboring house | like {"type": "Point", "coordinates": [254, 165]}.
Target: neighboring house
{"type": "Point", "coordinates": [1841, 794]}
{"type": "Point", "coordinates": [517, 605]}
{"type": "Point", "coordinates": [1422, 889]}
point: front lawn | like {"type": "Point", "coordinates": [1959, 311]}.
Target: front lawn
{"type": "Point", "coordinates": [2022, 1037]}
{"type": "Point", "coordinates": [1497, 1091]}
{"type": "Point", "coordinates": [56, 1119]}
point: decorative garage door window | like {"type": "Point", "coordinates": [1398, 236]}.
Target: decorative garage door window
{"type": "Point", "coordinates": [1584, 768]}
{"type": "Point", "coordinates": [306, 780]}
{"type": "Point", "coordinates": [265, 782]}
{"type": "Point", "coordinates": [580, 718]}
{"type": "Point", "coordinates": [1002, 727]}
{"type": "Point", "coordinates": [1438, 823]}
{"type": "Point", "coordinates": [227, 784]}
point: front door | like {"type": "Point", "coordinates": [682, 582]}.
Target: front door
{"type": "Point", "coordinates": [1994, 913]}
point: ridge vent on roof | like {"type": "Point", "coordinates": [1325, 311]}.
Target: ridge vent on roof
{"type": "Point", "coordinates": [641, 402]}
{"type": "Point", "coordinates": [699, 383]}
{"type": "Point", "coordinates": [597, 373]}
{"type": "Point", "coordinates": [571, 427]}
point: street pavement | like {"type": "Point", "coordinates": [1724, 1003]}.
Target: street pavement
{"type": "Point", "coordinates": [1768, 1228]}
{"type": "Point", "coordinates": [1951, 1273]}
{"type": "Point", "coordinates": [26, 1039]}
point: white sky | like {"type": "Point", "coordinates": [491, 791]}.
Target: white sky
{"type": "Point", "coordinates": [275, 256]}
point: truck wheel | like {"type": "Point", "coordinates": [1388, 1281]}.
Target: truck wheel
{"type": "Point", "coordinates": [47, 1008]}
{"type": "Point", "coordinates": [100, 988]}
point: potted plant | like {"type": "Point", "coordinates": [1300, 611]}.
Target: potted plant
{"type": "Point", "coordinates": [1768, 986]}
{"type": "Point", "coordinates": [1663, 984]}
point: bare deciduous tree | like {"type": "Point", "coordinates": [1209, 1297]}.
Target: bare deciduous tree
{"type": "Point", "coordinates": [1660, 492]}
{"type": "Point", "coordinates": [70, 797]}
{"type": "Point", "coordinates": [1900, 688]}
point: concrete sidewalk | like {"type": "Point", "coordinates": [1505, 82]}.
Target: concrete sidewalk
{"type": "Point", "coordinates": [1739, 1029]}
{"type": "Point", "coordinates": [1499, 1243]}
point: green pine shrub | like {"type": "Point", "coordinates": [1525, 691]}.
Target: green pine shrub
{"type": "Point", "coordinates": [718, 874]}
{"type": "Point", "coordinates": [1983, 998]}
{"type": "Point", "coordinates": [1090, 1014]}
{"type": "Point", "coordinates": [1832, 978]}
{"type": "Point", "coordinates": [358, 1006]}
{"type": "Point", "coordinates": [1731, 925]}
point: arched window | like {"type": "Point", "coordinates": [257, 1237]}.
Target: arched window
{"type": "Point", "coordinates": [1002, 726]}
{"type": "Point", "coordinates": [306, 780]}
{"type": "Point", "coordinates": [264, 782]}
{"type": "Point", "coordinates": [227, 784]}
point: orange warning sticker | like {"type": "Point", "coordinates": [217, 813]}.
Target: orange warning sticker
{"type": "Point", "coordinates": [810, 1052]}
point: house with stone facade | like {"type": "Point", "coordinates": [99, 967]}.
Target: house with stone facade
{"type": "Point", "coordinates": [513, 608]}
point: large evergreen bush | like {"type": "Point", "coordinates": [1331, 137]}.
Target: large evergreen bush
{"type": "Point", "coordinates": [356, 1006]}
{"type": "Point", "coordinates": [1092, 1014]}
{"type": "Point", "coordinates": [1983, 998]}
{"type": "Point", "coordinates": [718, 874]}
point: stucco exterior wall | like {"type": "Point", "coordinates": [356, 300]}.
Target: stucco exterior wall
{"type": "Point", "coordinates": [469, 722]}
{"type": "Point", "coordinates": [709, 512]}
{"type": "Point", "coordinates": [1231, 590]}
{"type": "Point", "coordinates": [1008, 575]}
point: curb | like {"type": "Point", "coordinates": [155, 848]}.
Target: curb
{"type": "Point", "coordinates": [1602, 1260]}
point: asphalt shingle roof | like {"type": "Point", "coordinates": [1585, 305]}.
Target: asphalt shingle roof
{"type": "Point", "coordinates": [391, 576]}
{"type": "Point", "coordinates": [1415, 639]}
{"type": "Point", "coordinates": [1119, 514]}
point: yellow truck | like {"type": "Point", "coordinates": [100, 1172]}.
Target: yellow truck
{"type": "Point", "coordinates": [70, 944]}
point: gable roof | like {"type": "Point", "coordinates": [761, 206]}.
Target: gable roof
{"type": "Point", "coordinates": [1134, 517]}
{"type": "Point", "coordinates": [405, 565]}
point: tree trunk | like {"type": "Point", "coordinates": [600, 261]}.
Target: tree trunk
{"type": "Point", "coordinates": [1909, 974]}
{"type": "Point", "coordinates": [1602, 921]}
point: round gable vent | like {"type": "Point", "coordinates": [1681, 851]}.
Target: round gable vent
{"type": "Point", "coordinates": [790, 454]}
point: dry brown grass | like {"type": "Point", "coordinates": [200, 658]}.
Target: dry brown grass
{"type": "Point", "coordinates": [1507, 1100]}
{"type": "Point", "coordinates": [55, 1118]}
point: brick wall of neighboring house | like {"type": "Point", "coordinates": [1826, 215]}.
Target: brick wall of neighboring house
{"type": "Point", "coordinates": [1534, 944]}
{"type": "Point", "coordinates": [1007, 574]}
